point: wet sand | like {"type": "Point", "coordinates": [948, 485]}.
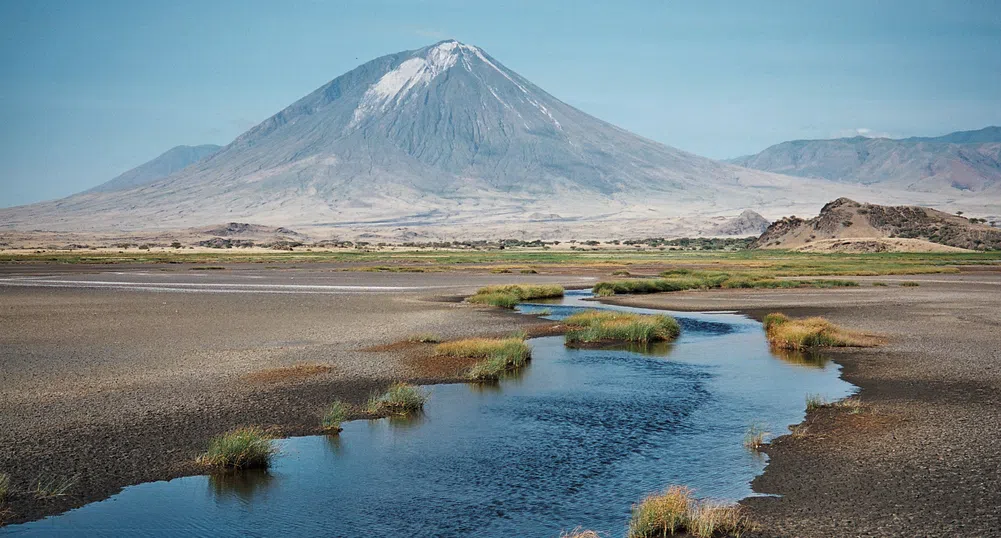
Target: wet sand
{"type": "Point", "coordinates": [922, 459]}
{"type": "Point", "coordinates": [121, 375]}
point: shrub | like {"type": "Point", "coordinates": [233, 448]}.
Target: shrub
{"type": "Point", "coordinates": [242, 448]}
{"type": "Point", "coordinates": [399, 399]}
{"type": "Point", "coordinates": [335, 414]}
{"type": "Point", "coordinates": [799, 334]}
{"type": "Point", "coordinates": [594, 326]}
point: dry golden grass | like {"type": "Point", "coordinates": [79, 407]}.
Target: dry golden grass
{"type": "Point", "coordinates": [799, 334]}
{"type": "Point", "coordinates": [579, 533]}
{"type": "Point", "coordinates": [497, 355]}
{"type": "Point", "coordinates": [287, 373]}
{"type": "Point", "coordinates": [675, 510]}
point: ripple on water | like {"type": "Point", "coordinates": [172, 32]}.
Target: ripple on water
{"type": "Point", "coordinates": [574, 439]}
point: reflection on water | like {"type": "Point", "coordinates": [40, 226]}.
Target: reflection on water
{"type": "Point", "coordinates": [243, 485]}
{"type": "Point", "coordinates": [802, 358]}
{"type": "Point", "coordinates": [572, 440]}
{"type": "Point", "coordinates": [402, 422]}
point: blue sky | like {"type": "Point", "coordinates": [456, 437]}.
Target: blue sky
{"type": "Point", "coordinates": [91, 89]}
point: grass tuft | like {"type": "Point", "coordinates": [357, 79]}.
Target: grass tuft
{"type": "Point", "coordinates": [879, 284]}
{"type": "Point", "coordinates": [815, 401]}
{"type": "Point", "coordinates": [335, 414]}
{"type": "Point", "coordinates": [579, 533]}
{"type": "Point", "coordinates": [507, 296]}
{"type": "Point", "coordinates": [399, 399]}
{"type": "Point", "coordinates": [4, 487]}
{"type": "Point", "coordinates": [675, 510]}
{"type": "Point", "coordinates": [909, 284]}
{"type": "Point", "coordinates": [242, 448]}
{"type": "Point", "coordinates": [754, 438]}
{"type": "Point", "coordinates": [498, 355]}
{"type": "Point", "coordinates": [799, 334]}
{"type": "Point", "coordinates": [54, 486]}
{"type": "Point", "coordinates": [424, 338]}
{"type": "Point", "coordinates": [595, 326]}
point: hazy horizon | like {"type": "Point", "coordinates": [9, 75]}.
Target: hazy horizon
{"type": "Point", "coordinates": [94, 90]}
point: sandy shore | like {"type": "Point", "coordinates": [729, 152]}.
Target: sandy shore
{"type": "Point", "coordinates": [120, 375]}
{"type": "Point", "coordinates": [922, 460]}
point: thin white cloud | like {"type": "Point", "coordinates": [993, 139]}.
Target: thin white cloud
{"type": "Point", "coordinates": [861, 131]}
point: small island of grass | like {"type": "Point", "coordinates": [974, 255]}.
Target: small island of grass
{"type": "Point", "coordinates": [784, 332]}
{"type": "Point", "coordinates": [507, 296]}
{"type": "Point", "coordinates": [597, 327]}
{"type": "Point", "coordinates": [497, 355]}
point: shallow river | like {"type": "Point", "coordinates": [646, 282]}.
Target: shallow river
{"type": "Point", "coordinates": [573, 440]}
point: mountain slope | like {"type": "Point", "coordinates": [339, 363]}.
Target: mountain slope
{"type": "Point", "coordinates": [440, 136]}
{"type": "Point", "coordinates": [173, 160]}
{"type": "Point", "coordinates": [967, 161]}
{"type": "Point", "coordinates": [845, 219]}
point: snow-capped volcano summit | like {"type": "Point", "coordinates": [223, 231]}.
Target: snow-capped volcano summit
{"type": "Point", "coordinates": [441, 135]}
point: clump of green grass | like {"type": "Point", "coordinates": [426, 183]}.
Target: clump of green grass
{"type": "Point", "coordinates": [334, 415]}
{"type": "Point", "coordinates": [684, 279]}
{"type": "Point", "coordinates": [425, 338]}
{"type": "Point", "coordinates": [399, 399]}
{"type": "Point", "coordinates": [507, 296]}
{"type": "Point", "coordinates": [815, 401]}
{"type": "Point", "coordinates": [676, 511]}
{"type": "Point", "coordinates": [4, 487]}
{"type": "Point", "coordinates": [880, 284]}
{"type": "Point", "coordinates": [754, 438]}
{"type": "Point", "coordinates": [799, 334]}
{"type": "Point", "coordinates": [528, 271]}
{"type": "Point", "coordinates": [54, 486]}
{"type": "Point", "coordinates": [594, 326]}
{"type": "Point", "coordinates": [242, 448]}
{"type": "Point", "coordinates": [852, 404]}
{"type": "Point", "coordinates": [909, 284]}
{"type": "Point", "coordinates": [498, 355]}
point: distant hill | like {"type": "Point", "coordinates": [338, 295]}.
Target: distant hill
{"type": "Point", "coordinates": [173, 160]}
{"type": "Point", "coordinates": [747, 224]}
{"type": "Point", "coordinates": [848, 220]}
{"type": "Point", "coordinates": [961, 162]}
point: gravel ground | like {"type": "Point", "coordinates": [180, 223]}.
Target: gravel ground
{"type": "Point", "coordinates": [122, 376]}
{"type": "Point", "coordinates": [922, 458]}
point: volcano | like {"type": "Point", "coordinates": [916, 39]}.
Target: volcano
{"type": "Point", "coordinates": [440, 136]}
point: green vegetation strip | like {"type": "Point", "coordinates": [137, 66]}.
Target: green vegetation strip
{"type": "Point", "coordinates": [594, 326]}
{"type": "Point", "coordinates": [508, 296]}
{"type": "Point", "coordinates": [685, 279]}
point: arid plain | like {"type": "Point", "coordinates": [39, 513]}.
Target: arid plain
{"type": "Point", "coordinates": [119, 374]}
